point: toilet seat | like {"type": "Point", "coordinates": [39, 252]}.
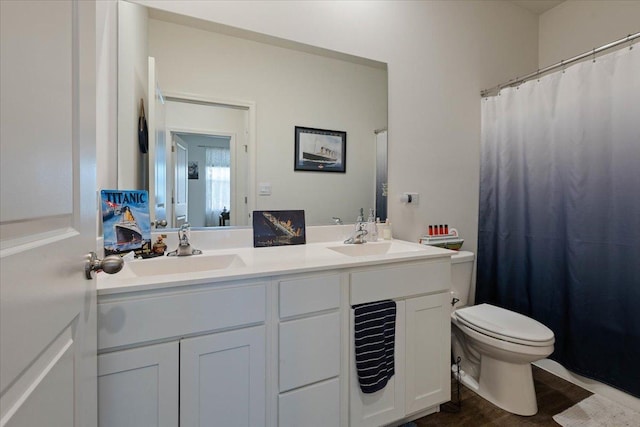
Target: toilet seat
{"type": "Point", "coordinates": [505, 325]}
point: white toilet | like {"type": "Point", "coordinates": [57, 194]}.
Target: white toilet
{"type": "Point", "coordinates": [496, 346]}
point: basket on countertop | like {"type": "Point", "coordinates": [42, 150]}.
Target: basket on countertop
{"type": "Point", "coordinates": [448, 241]}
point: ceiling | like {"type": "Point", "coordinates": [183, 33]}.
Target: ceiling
{"type": "Point", "coordinates": [537, 6]}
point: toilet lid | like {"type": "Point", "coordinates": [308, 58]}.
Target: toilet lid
{"type": "Point", "coordinates": [505, 325]}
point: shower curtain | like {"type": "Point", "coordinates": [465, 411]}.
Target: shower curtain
{"type": "Point", "coordinates": [559, 220]}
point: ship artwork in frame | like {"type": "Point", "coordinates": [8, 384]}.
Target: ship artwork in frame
{"type": "Point", "coordinates": [278, 228]}
{"type": "Point", "coordinates": [125, 221]}
{"type": "Point", "coordinates": [320, 150]}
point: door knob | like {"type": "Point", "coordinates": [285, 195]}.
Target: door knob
{"type": "Point", "coordinates": [159, 223]}
{"type": "Point", "coordinates": [110, 264]}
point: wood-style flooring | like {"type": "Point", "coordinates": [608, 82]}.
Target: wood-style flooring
{"type": "Point", "coordinates": [554, 396]}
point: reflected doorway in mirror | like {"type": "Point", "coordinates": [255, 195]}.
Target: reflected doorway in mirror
{"type": "Point", "coordinates": [217, 138]}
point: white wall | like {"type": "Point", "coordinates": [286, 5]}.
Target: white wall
{"type": "Point", "coordinates": [440, 54]}
{"type": "Point", "coordinates": [577, 26]}
{"type": "Point", "coordinates": [289, 88]}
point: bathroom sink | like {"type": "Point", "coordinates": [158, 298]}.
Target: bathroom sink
{"type": "Point", "coordinates": [188, 264]}
{"type": "Point", "coordinates": [374, 248]}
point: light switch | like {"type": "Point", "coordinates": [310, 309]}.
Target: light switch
{"type": "Point", "coordinates": [264, 189]}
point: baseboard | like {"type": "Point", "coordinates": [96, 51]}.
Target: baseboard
{"type": "Point", "coordinates": [593, 386]}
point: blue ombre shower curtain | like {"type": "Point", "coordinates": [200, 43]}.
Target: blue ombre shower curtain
{"type": "Point", "coordinates": [559, 220]}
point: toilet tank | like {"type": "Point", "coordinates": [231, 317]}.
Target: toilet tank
{"type": "Point", "coordinates": [461, 273]}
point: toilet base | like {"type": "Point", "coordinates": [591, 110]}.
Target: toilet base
{"type": "Point", "coordinates": [507, 385]}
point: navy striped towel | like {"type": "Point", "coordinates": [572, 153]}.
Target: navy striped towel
{"type": "Point", "coordinates": [374, 334]}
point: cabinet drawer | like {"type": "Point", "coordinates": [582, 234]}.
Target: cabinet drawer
{"type": "Point", "coordinates": [400, 281]}
{"type": "Point", "coordinates": [309, 350]}
{"type": "Point", "coordinates": [315, 406]}
{"type": "Point", "coordinates": [309, 295]}
{"type": "Point", "coordinates": [146, 319]}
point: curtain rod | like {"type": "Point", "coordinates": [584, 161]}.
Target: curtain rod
{"type": "Point", "coordinates": [518, 80]}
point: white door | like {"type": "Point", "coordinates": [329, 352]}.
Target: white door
{"type": "Point", "coordinates": [181, 189]}
{"type": "Point", "coordinates": [240, 178]}
{"type": "Point", "coordinates": [48, 210]}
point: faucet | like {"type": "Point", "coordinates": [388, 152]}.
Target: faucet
{"type": "Point", "coordinates": [184, 247]}
{"type": "Point", "coordinates": [337, 220]}
{"type": "Point", "coordinates": [359, 236]}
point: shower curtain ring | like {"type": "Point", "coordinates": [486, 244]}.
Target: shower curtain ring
{"type": "Point", "coordinates": [594, 55]}
{"type": "Point", "coordinates": [629, 41]}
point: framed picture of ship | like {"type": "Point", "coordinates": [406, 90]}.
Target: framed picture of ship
{"type": "Point", "coordinates": [278, 228]}
{"type": "Point", "coordinates": [126, 225]}
{"type": "Point", "coordinates": [320, 150]}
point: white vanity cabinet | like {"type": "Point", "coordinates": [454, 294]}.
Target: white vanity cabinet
{"type": "Point", "coordinates": [209, 369]}
{"type": "Point", "coordinates": [310, 352]}
{"type": "Point", "coordinates": [274, 347]}
{"type": "Point", "coordinates": [422, 340]}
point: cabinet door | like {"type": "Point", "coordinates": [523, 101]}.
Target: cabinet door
{"type": "Point", "coordinates": [139, 387]}
{"type": "Point", "coordinates": [387, 405]}
{"type": "Point", "coordinates": [428, 352]}
{"type": "Point", "coordinates": [222, 379]}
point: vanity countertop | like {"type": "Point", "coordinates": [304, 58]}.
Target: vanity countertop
{"type": "Point", "coordinates": [239, 263]}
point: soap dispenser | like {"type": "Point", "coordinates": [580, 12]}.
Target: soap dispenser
{"type": "Point", "coordinates": [386, 233]}
{"type": "Point", "coordinates": [372, 227]}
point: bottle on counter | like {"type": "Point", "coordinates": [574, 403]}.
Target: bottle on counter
{"type": "Point", "coordinates": [386, 231]}
{"type": "Point", "coordinates": [372, 228]}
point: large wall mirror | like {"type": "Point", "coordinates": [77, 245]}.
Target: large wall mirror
{"type": "Point", "coordinates": [222, 105]}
